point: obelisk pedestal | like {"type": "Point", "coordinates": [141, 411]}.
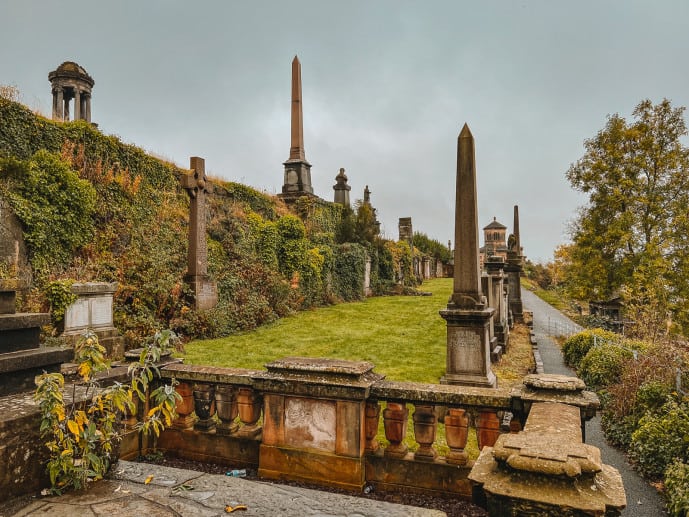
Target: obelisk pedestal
{"type": "Point", "coordinates": [467, 315]}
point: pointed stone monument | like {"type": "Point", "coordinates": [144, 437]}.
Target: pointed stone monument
{"type": "Point", "coordinates": [467, 314]}
{"type": "Point", "coordinates": [297, 181]}
{"type": "Point", "coordinates": [197, 186]}
{"type": "Point", "coordinates": [513, 268]}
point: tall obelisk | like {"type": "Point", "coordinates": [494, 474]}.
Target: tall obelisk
{"type": "Point", "coordinates": [514, 268]}
{"type": "Point", "coordinates": [468, 316]}
{"type": "Point", "coordinates": [297, 170]}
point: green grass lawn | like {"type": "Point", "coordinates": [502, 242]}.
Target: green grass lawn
{"type": "Point", "coordinates": [404, 336]}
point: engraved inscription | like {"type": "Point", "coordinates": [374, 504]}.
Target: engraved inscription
{"type": "Point", "coordinates": [310, 423]}
{"type": "Point", "coordinates": [465, 351]}
{"type": "Point", "coordinates": [101, 311]}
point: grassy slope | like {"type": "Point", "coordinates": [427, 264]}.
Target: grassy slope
{"type": "Point", "coordinates": [409, 327]}
{"type": "Point", "coordinates": [404, 336]}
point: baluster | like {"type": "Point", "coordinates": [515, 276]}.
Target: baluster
{"type": "Point", "coordinates": [226, 406]}
{"type": "Point", "coordinates": [371, 423]}
{"type": "Point", "coordinates": [250, 404]}
{"type": "Point", "coordinates": [395, 423]}
{"type": "Point", "coordinates": [457, 433]}
{"type": "Point", "coordinates": [185, 406]}
{"type": "Point", "coordinates": [425, 426]}
{"type": "Point", "coordinates": [487, 428]}
{"type": "Point", "coordinates": [204, 404]}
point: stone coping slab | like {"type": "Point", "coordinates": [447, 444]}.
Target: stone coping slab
{"type": "Point", "coordinates": [320, 365]}
{"type": "Point", "coordinates": [93, 288]}
{"type": "Point", "coordinates": [34, 358]}
{"type": "Point", "coordinates": [23, 320]}
{"type": "Point", "coordinates": [442, 394]}
{"type": "Point", "coordinates": [551, 381]}
{"type": "Point", "coordinates": [210, 374]}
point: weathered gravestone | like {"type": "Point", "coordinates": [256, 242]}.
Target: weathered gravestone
{"type": "Point", "coordinates": [204, 289]}
{"type": "Point", "coordinates": [468, 316]}
{"type": "Point", "coordinates": [93, 310]}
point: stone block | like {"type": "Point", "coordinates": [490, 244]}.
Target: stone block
{"type": "Point", "coordinates": [435, 477]}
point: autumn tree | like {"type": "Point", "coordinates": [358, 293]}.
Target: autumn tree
{"type": "Point", "coordinates": [631, 237]}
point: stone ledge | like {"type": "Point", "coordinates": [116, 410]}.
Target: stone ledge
{"type": "Point", "coordinates": [23, 320]}
{"type": "Point", "coordinates": [442, 394]}
{"type": "Point", "coordinates": [209, 374]}
{"type": "Point", "coordinates": [550, 381]}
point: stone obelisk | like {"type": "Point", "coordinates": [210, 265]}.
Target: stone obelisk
{"type": "Point", "coordinates": [514, 268]}
{"type": "Point", "coordinates": [468, 316]}
{"type": "Point", "coordinates": [197, 186]}
{"type": "Point", "coordinates": [297, 181]}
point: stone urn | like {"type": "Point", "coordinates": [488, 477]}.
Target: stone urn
{"type": "Point", "coordinates": [372, 415]}
{"type": "Point", "coordinates": [250, 405]}
{"type": "Point", "coordinates": [227, 409]}
{"type": "Point", "coordinates": [204, 406]}
{"type": "Point", "coordinates": [456, 433]}
{"type": "Point", "coordinates": [488, 428]}
{"type": "Point", "coordinates": [425, 425]}
{"type": "Point", "coordinates": [185, 406]}
{"type": "Point", "coordinates": [395, 422]}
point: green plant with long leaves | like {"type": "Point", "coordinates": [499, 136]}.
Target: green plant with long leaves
{"type": "Point", "coordinates": [81, 431]}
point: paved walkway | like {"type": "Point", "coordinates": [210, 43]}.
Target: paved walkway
{"type": "Point", "coordinates": [175, 492]}
{"type": "Point", "coordinates": [642, 499]}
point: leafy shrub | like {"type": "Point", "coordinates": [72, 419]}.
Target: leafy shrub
{"type": "Point", "coordinates": [661, 438]}
{"type": "Point", "coordinates": [350, 264]}
{"type": "Point", "coordinates": [578, 345]}
{"type": "Point", "coordinates": [81, 437]}
{"type": "Point", "coordinates": [602, 365]}
{"type": "Point", "coordinates": [677, 488]}
{"type": "Point", "coordinates": [54, 205]}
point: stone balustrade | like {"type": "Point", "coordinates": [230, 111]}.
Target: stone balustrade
{"type": "Point", "coordinates": [318, 421]}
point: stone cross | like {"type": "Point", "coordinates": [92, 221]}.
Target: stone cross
{"type": "Point", "coordinates": [467, 276]}
{"type": "Point", "coordinates": [196, 185]}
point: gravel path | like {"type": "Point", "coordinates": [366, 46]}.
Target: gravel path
{"type": "Point", "coordinates": [642, 499]}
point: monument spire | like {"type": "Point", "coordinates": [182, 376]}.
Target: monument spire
{"type": "Point", "coordinates": [296, 151]}
{"type": "Point", "coordinates": [467, 278]}
{"type": "Point", "coordinates": [515, 228]}
{"type": "Point", "coordinates": [297, 170]}
{"type": "Point", "coordinates": [467, 316]}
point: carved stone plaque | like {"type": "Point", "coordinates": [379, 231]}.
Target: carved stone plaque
{"type": "Point", "coordinates": [310, 423]}
{"type": "Point", "coordinates": [464, 348]}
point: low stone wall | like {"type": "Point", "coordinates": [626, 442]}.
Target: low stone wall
{"type": "Point", "coordinates": [317, 420]}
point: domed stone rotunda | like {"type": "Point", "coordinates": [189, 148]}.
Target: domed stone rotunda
{"type": "Point", "coordinates": [70, 81]}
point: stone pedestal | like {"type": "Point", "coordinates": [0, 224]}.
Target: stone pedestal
{"type": "Point", "coordinates": [205, 291]}
{"type": "Point", "coordinates": [314, 420]}
{"type": "Point", "coordinates": [547, 470]}
{"type": "Point", "coordinates": [93, 310]}
{"type": "Point", "coordinates": [468, 348]}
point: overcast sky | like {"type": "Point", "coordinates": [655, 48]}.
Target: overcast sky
{"type": "Point", "coordinates": [387, 86]}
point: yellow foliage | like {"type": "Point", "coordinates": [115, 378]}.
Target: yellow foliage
{"type": "Point", "coordinates": [73, 427]}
